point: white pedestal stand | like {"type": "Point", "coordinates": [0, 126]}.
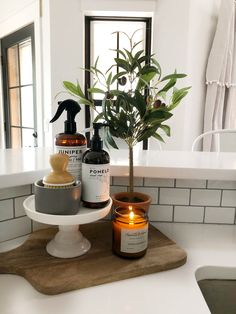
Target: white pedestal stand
{"type": "Point", "coordinates": [69, 241]}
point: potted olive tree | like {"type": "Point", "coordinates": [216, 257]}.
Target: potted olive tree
{"type": "Point", "coordinates": [137, 101]}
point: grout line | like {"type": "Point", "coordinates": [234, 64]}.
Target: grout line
{"type": "Point", "coordinates": [173, 213]}
{"type": "Point", "coordinates": [23, 235]}
{"type": "Point", "coordinates": [190, 197]}
{"type": "Point", "coordinates": [14, 208]}
{"type": "Point", "coordinates": [204, 214]}
{"type": "Point", "coordinates": [221, 197]}
{"type": "Point", "coordinates": [235, 216]}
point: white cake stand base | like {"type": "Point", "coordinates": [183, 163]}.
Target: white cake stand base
{"type": "Point", "coordinates": [69, 241]}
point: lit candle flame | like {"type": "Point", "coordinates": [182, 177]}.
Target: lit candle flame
{"type": "Point", "coordinates": [130, 208]}
{"type": "Point", "coordinates": [131, 215]}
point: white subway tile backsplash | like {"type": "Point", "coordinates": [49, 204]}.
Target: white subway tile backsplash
{"type": "Point", "coordinates": [229, 198]}
{"type": "Point", "coordinates": [159, 182]}
{"type": "Point", "coordinates": [205, 197]}
{"type": "Point", "coordinates": [172, 196]}
{"type": "Point", "coordinates": [216, 184]}
{"type": "Point", "coordinates": [37, 226]}
{"type": "Point", "coordinates": [160, 213]}
{"type": "Point", "coordinates": [153, 192]}
{"type": "Point", "coordinates": [15, 191]}
{"type": "Point", "coordinates": [117, 189]}
{"type": "Point", "coordinates": [14, 228]}
{"type": "Point", "coordinates": [182, 183]}
{"type": "Point", "coordinates": [6, 209]}
{"type": "Point", "coordinates": [173, 200]}
{"type": "Point", "coordinates": [138, 181]}
{"type": "Point", "coordinates": [19, 208]}
{"type": "Point", "coordinates": [188, 214]}
{"type": "Point", "coordinates": [224, 215]}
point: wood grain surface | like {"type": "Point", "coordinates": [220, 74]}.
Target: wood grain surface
{"type": "Point", "coordinates": [50, 275]}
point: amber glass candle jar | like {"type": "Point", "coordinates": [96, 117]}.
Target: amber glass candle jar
{"type": "Point", "coordinates": [130, 232]}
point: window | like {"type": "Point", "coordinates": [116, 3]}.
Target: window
{"type": "Point", "coordinates": [19, 88]}
{"type": "Point", "coordinates": [101, 36]}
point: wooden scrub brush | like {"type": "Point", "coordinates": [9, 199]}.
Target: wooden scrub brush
{"type": "Point", "coordinates": [59, 177]}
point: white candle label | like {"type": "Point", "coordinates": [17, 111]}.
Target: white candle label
{"type": "Point", "coordinates": [134, 241]}
{"type": "Point", "coordinates": [75, 158]}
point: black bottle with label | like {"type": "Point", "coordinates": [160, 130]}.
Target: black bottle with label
{"type": "Point", "coordinates": [95, 173]}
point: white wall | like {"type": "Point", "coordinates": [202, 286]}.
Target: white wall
{"type": "Point", "coordinates": [184, 31]}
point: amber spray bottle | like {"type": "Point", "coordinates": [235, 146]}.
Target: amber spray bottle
{"type": "Point", "coordinates": [70, 142]}
{"type": "Point", "coordinates": [95, 173]}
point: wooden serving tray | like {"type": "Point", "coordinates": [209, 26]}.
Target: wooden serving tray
{"type": "Point", "coordinates": [50, 275]}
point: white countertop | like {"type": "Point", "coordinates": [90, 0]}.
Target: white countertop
{"type": "Point", "coordinates": [24, 166]}
{"type": "Point", "coordinates": [169, 292]}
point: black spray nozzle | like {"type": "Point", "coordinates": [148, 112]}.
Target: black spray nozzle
{"type": "Point", "coordinates": [72, 108]}
{"type": "Point", "coordinates": [96, 141]}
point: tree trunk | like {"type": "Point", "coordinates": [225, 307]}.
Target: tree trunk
{"type": "Point", "coordinates": [131, 170]}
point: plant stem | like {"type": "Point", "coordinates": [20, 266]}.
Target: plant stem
{"type": "Point", "coordinates": [131, 170]}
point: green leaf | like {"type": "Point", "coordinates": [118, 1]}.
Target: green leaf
{"type": "Point", "coordinates": [119, 52]}
{"type": "Point", "coordinates": [157, 116]}
{"type": "Point", "coordinates": [129, 55]}
{"type": "Point", "coordinates": [140, 103]}
{"type": "Point", "coordinates": [138, 54]}
{"type": "Point", "coordinates": [162, 95]}
{"type": "Point", "coordinates": [173, 76]}
{"type": "Point", "coordinates": [142, 59]}
{"type": "Point", "coordinates": [99, 117]}
{"type": "Point", "coordinates": [148, 132]}
{"type": "Point", "coordinates": [145, 79]}
{"type": "Point", "coordinates": [95, 90]}
{"type": "Point", "coordinates": [72, 88]}
{"type": "Point", "coordinates": [115, 77]}
{"type": "Point", "coordinates": [158, 137]}
{"type": "Point", "coordinates": [97, 71]}
{"type": "Point", "coordinates": [166, 129]}
{"type": "Point", "coordinates": [110, 140]}
{"type": "Point", "coordinates": [108, 81]}
{"type": "Point", "coordinates": [122, 64]}
{"type": "Point", "coordinates": [96, 62]}
{"type": "Point", "coordinates": [136, 44]}
{"type": "Point", "coordinates": [85, 101]}
{"type": "Point", "coordinates": [178, 95]}
{"type": "Point", "coordinates": [170, 84]}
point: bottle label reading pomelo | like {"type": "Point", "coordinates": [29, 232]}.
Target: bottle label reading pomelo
{"type": "Point", "coordinates": [75, 154]}
{"type": "Point", "coordinates": [96, 182]}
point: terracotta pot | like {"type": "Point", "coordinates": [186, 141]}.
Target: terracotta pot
{"type": "Point", "coordinates": [144, 203]}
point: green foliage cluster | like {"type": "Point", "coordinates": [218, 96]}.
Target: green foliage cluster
{"type": "Point", "coordinates": [136, 101]}
{"type": "Point", "coordinates": [136, 108]}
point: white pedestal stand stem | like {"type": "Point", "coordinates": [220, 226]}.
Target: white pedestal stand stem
{"type": "Point", "coordinates": [68, 242]}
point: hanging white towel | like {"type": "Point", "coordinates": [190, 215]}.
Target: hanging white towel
{"type": "Point", "coordinates": [220, 74]}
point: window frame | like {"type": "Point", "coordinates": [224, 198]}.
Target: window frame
{"type": "Point", "coordinates": [88, 20]}
{"type": "Point", "coordinates": [7, 42]}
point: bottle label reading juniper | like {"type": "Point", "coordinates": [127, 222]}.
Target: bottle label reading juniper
{"type": "Point", "coordinates": [75, 162]}
{"type": "Point", "coordinates": [96, 182]}
{"type": "Point", "coordinates": [134, 241]}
